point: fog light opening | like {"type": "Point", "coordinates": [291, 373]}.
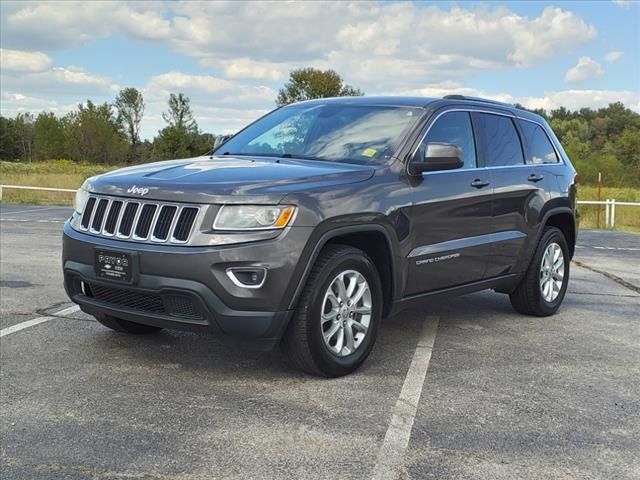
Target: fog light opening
{"type": "Point", "coordinates": [247, 277]}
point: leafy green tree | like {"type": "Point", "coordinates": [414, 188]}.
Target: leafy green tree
{"type": "Point", "coordinates": [48, 137]}
{"type": "Point", "coordinates": [24, 133]}
{"type": "Point", "coordinates": [172, 142]}
{"type": "Point", "coordinates": [9, 141]}
{"type": "Point", "coordinates": [181, 138]}
{"type": "Point", "coordinates": [627, 148]}
{"type": "Point", "coordinates": [130, 106]}
{"type": "Point", "coordinates": [92, 133]}
{"type": "Point", "coordinates": [310, 83]}
{"type": "Point", "coordinates": [180, 114]}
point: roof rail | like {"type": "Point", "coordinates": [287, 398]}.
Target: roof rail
{"type": "Point", "coordinates": [476, 99]}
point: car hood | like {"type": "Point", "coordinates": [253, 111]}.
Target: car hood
{"type": "Point", "coordinates": [226, 179]}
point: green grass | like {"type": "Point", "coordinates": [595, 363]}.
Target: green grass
{"type": "Point", "coordinates": [52, 173]}
{"type": "Point", "coordinates": [68, 174]}
{"type": "Point", "coordinates": [627, 218]}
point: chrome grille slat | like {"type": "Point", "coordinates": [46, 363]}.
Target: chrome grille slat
{"type": "Point", "coordinates": [86, 215]}
{"type": "Point", "coordinates": [119, 219]}
{"type": "Point", "coordinates": [173, 222]}
{"type": "Point", "coordinates": [97, 220]}
{"type": "Point", "coordinates": [188, 215]}
{"type": "Point", "coordinates": [145, 222]}
{"type": "Point", "coordinates": [136, 213]}
{"type": "Point", "coordinates": [108, 217]}
{"type": "Point", "coordinates": [164, 220]}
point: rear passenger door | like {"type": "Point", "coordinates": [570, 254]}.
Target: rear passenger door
{"type": "Point", "coordinates": [451, 213]}
{"type": "Point", "coordinates": [519, 191]}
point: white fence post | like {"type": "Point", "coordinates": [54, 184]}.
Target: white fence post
{"type": "Point", "coordinates": [606, 213]}
{"type": "Point", "coordinates": [613, 213]}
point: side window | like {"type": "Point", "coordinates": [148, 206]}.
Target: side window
{"type": "Point", "coordinates": [539, 147]}
{"type": "Point", "coordinates": [454, 128]}
{"type": "Point", "coordinates": [500, 140]}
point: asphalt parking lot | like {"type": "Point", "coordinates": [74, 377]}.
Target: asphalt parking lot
{"type": "Point", "coordinates": [504, 396]}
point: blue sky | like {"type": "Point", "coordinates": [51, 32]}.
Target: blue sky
{"type": "Point", "coordinates": [231, 58]}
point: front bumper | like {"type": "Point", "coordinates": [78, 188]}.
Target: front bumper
{"type": "Point", "coordinates": [188, 288]}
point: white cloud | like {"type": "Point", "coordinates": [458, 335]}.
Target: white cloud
{"type": "Point", "coordinates": [247, 68]}
{"type": "Point", "coordinates": [571, 99]}
{"type": "Point", "coordinates": [21, 61]}
{"type": "Point", "coordinates": [60, 81]}
{"type": "Point", "coordinates": [219, 105]}
{"type": "Point", "coordinates": [614, 56]}
{"type": "Point", "coordinates": [586, 69]}
{"type": "Point", "coordinates": [53, 25]}
{"type": "Point", "coordinates": [622, 3]}
{"type": "Point", "coordinates": [367, 42]}
{"type": "Point", "coordinates": [208, 89]}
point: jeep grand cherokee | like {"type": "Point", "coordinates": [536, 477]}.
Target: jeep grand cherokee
{"type": "Point", "coordinates": [313, 223]}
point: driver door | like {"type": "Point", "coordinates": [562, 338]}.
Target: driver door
{"type": "Point", "coordinates": [451, 214]}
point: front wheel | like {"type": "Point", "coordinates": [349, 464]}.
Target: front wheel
{"type": "Point", "coordinates": [336, 321]}
{"type": "Point", "coordinates": [544, 285]}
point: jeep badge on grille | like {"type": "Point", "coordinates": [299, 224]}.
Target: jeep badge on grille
{"type": "Point", "coordinates": [142, 191]}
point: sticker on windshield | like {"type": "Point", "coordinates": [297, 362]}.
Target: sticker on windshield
{"type": "Point", "coordinates": [369, 152]}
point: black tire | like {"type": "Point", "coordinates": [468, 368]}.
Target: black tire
{"type": "Point", "coordinates": [303, 341]}
{"type": "Point", "coordinates": [124, 326]}
{"type": "Point", "coordinates": [527, 298]}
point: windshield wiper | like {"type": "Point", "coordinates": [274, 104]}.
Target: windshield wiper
{"type": "Point", "coordinates": [239, 154]}
{"type": "Point", "coordinates": [277, 155]}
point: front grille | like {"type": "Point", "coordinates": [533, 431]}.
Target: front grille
{"type": "Point", "coordinates": [167, 304]}
{"type": "Point", "coordinates": [138, 220]}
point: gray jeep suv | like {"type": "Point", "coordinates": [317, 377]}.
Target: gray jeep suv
{"type": "Point", "coordinates": [313, 223]}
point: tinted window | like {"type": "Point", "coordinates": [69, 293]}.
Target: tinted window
{"type": "Point", "coordinates": [454, 128]}
{"type": "Point", "coordinates": [500, 140]}
{"type": "Point", "coordinates": [539, 147]}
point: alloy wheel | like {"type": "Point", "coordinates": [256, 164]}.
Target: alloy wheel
{"type": "Point", "coordinates": [346, 313]}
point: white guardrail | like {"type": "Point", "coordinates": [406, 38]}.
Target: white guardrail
{"type": "Point", "coordinates": [609, 203]}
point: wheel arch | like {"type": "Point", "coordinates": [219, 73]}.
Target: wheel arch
{"type": "Point", "coordinates": [563, 219]}
{"type": "Point", "coordinates": [375, 241]}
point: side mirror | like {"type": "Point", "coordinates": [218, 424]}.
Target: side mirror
{"type": "Point", "coordinates": [220, 140]}
{"type": "Point", "coordinates": [437, 156]}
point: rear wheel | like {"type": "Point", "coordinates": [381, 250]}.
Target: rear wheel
{"type": "Point", "coordinates": [124, 326]}
{"type": "Point", "coordinates": [544, 285]}
{"type": "Point", "coordinates": [336, 321]}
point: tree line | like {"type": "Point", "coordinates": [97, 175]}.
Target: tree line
{"type": "Point", "coordinates": [108, 133]}
{"type": "Point", "coordinates": [605, 140]}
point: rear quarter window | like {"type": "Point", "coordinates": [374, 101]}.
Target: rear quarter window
{"type": "Point", "coordinates": [539, 147]}
{"type": "Point", "coordinates": [500, 139]}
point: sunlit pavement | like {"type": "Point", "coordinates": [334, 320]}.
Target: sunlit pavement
{"type": "Point", "coordinates": [504, 396]}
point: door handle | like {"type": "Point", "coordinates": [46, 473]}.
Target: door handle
{"type": "Point", "coordinates": [477, 183]}
{"type": "Point", "coordinates": [535, 178]}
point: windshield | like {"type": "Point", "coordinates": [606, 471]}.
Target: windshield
{"type": "Point", "coordinates": [334, 132]}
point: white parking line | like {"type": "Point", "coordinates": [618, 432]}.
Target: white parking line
{"type": "Point", "coordinates": [37, 209]}
{"type": "Point", "coordinates": [36, 321]}
{"type": "Point", "coordinates": [396, 440]}
{"type": "Point", "coordinates": [23, 220]}
{"type": "Point", "coordinates": [624, 249]}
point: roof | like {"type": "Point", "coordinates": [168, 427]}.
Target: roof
{"type": "Point", "coordinates": [373, 100]}
{"type": "Point", "coordinates": [421, 102]}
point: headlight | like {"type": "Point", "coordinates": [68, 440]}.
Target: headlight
{"type": "Point", "coordinates": [253, 217]}
{"type": "Point", "coordinates": [80, 200]}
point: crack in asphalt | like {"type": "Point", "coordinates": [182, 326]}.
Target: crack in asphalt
{"type": "Point", "coordinates": [603, 294]}
{"type": "Point", "coordinates": [610, 276]}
